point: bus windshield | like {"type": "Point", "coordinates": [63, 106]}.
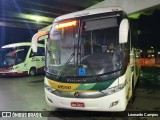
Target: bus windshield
{"type": "Point", "coordinates": [12, 56]}
{"type": "Point", "coordinates": [90, 45]}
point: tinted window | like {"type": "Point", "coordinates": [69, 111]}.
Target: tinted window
{"type": "Point", "coordinates": [40, 52]}
{"type": "Point", "coordinates": [21, 53]}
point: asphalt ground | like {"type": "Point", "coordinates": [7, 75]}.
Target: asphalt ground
{"type": "Point", "coordinates": [27, 94]}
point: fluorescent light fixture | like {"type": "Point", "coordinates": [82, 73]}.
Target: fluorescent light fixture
{"type": "Point", "coordinates": [36, 17]}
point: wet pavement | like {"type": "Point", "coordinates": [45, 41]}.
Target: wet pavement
{"type": "Point", "coordinates": [22, 94]}
{"type": "Point", "coordinates": [27, 94]}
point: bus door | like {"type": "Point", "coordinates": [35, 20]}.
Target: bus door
{"type": "Point", "coordinates": [20, 58]}
{"type": "Point", "coordinates": [41, 56]}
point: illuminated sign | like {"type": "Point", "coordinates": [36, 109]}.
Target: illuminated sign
{"type": "Point", "coordinates": [67, 24]}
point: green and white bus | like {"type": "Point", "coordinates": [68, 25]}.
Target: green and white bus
{"type": "Point", "coordinates": [17, 59]}
{"type": "Point", "coordinates": [82, 72]}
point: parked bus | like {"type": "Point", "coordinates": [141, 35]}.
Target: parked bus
{"type": "Point", "coordinates": [17, 59]}
{"type": "Point", "coordinates": [90, 61]}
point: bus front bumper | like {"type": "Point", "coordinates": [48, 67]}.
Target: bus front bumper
{"type": "Point", "coordinates": [113, 102]}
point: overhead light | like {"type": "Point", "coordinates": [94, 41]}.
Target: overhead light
{"type": "Point", "coordinates": [36, 17]}
{"type": "Point", "coordinates": [135, 15]}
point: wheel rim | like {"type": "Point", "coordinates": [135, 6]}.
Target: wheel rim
{"type": "Point", "coordinates": [32, 72]}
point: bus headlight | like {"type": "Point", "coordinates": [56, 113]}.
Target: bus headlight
{"type": "Point", "coordinates": [113, 90]}
{"type": "Point", "coordinates": [47, 87]}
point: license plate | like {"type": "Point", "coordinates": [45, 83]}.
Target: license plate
{"type": "Point", "coordinates": [77, 104]}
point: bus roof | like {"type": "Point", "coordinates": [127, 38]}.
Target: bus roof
{"type": "Point", "coordinates": [20, 44]}
{"type": "Point", "coordinates": [87, 12]}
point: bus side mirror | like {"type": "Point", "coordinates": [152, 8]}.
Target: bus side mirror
{"type": "Point", "coordinates": [123, 31]}
{"type": "Point", "coordinates": [35, 39]}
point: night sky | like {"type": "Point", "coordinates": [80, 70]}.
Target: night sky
{"type": "Point", "coordinates": [150, 30]}
{"type": "Point", "coordinates": [148, 25]}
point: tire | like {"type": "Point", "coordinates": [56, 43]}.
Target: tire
{"type": "Point", "coordinates": [32, 71]}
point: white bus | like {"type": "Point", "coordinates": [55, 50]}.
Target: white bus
{"type": "Point", "coordinates": [17, 59]}
{"type": "Point", "coordinates": [90, 61]}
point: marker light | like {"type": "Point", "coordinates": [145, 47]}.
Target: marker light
{"type": "Point", "coordinates": [113, 104]}
{"type": "Point", "coordinates": [67, 24]}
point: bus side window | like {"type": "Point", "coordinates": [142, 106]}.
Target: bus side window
{"type": "Point", "coordinates": [40, 51]}
{"type": "Point", "coordinates": [31, 54]}
{"type": "Point", "coordinates": [20, 57]}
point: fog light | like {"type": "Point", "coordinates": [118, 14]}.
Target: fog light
{"type": "Point", "coordinates": [113, 104]}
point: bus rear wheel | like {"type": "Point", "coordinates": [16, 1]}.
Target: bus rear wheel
{"type": "Point", "coordinates": [32, 71]}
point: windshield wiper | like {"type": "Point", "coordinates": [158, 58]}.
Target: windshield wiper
{"type": "Point", "coordinates": [110, 72]}
{"type": "Point", "coordinates": [60, 74]}
{"type": "Point", "coordinates": [93, 73]}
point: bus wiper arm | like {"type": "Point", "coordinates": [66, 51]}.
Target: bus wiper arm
{"type": "Point", "coordinates": [112, 72]}
{"type": "Point", "coordinates": [60, 74]}
{"type": "Point", "coordinates": [93, 73]}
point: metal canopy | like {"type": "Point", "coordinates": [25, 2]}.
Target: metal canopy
{"type": "Point", "coordinates": [36, 14]}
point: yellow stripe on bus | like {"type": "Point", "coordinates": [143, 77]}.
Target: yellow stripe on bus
{"type": "Point", "coordinates": [62, 86]}
{"type": "Point", "coordinates": [69, 87]}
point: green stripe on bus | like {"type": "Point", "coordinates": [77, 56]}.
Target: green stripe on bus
{"type": "Point", "coordinates": [96, 86]}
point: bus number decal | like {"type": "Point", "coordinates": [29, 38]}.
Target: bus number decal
{"type": "Point", "coordinates": [64, 87]}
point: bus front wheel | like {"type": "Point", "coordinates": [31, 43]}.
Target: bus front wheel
{"type": "Point", "coordinates": [32, 71]}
